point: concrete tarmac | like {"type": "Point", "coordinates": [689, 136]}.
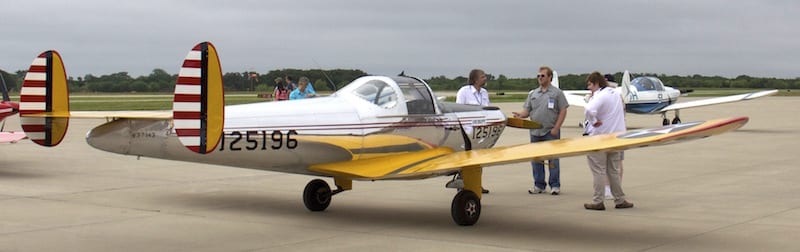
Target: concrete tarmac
{"type": "Point", "coordinates": [733, 192]}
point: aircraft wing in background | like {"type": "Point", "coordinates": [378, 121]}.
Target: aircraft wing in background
{"type": "Point", "coordinates": [576, 97]}
{"type": "Point", "coordinates": [718, 100]}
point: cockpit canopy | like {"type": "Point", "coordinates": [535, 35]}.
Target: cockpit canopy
{"type": "Point", "coordinates": [388, 92]}
{"type": "Point", "coordinates": [647, 84]}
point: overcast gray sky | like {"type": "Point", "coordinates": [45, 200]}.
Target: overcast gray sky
{"type": "Point", "coordinates": [424, 38]}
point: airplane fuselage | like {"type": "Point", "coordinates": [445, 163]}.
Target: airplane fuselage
{"type": "Point", "coordinates": [647, 95]}
{"type": "Point", "coordinates": [651, 101]}
{"type": "Point", "coordinates": [289, 136]}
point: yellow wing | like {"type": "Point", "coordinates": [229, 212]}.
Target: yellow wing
{"type": "Point", "coordinates": [379, 167]}
{"type": "Point", "coordinates": [438, 161]}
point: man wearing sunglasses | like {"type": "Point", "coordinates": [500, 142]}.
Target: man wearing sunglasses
{"type": "Point", "coordinates": [546, 105]}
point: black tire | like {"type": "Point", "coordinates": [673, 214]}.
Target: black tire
{"type": "Point", "coordinates": [676, 121]}
{"type": "Point", "coordinates": [466, 208]}
{"type": "Point", "coordinates": [317, 195]}
{"type": "Point", "coordinates": [665, 122]}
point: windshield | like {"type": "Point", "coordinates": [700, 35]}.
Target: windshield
{"type": "Point", "coordinates": [377, 92]}
{"type": "Point", "coordinates": [647, 84]}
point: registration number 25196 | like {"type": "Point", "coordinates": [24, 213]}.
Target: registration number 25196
{"type": "Point", "coordinates": [479, 132]}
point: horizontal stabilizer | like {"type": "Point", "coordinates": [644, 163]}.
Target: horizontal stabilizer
{"type": "Point", "coordinates": [130, 114]}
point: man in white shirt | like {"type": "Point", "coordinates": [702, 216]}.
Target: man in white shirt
{"type": "Point", "coordinates": [473, 93]}
{"type": "Point", "coordinates": [604, 114]}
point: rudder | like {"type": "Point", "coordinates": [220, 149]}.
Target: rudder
{"type": "Point", "coordinates": [199, 103]}
{"type": "Point", "coordinates": [44, 100]}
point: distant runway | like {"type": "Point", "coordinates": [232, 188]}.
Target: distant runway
{"type": "Point", "coordinates": [732, 192]}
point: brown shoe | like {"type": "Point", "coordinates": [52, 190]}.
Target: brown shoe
{"type": "Point", "coordinates": [624, 204]}
{"type": "Point", "coordinates": [599, 206]}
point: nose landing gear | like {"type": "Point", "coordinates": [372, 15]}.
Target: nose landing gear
{"type": "Point", "coordinates": [665, 121]}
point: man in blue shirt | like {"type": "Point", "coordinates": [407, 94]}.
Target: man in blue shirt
{"type": "Point", "coordinates": [302, 91]}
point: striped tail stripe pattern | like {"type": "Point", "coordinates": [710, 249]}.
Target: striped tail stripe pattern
{"type": "Point", "coordinates": [44, 90]}
{"type": "Point", "coordinates": [198, 104]}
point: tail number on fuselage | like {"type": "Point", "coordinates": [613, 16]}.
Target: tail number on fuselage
{"type": "Point", "coordinates": [486, 131]}
{"type": "Point", "coordinates": [259, 140]}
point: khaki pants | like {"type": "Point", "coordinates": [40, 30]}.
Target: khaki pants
{"type": "Point", "coordinates": [605, 165]}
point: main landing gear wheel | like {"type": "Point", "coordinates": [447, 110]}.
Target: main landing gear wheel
{"type": "Point", "coordinates": [676, 120]}
{"type": "Point", "coordinates": [317, 195]}
{"type": "Point", "coordinates": [665, 122]}
{"type": "Point", "coordinates": [466, 208]}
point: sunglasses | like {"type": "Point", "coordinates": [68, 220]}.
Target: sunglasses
{"type": "Point", "coordinates": [541, 75]}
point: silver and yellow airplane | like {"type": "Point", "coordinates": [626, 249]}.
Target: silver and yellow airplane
{"type": "Point", "coordinates": [375, 128]}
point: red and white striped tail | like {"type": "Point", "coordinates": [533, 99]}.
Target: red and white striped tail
{"type": "Point", "coordinates": [44, 100]}
{"type": "Point", "coordinates": [198, 105]}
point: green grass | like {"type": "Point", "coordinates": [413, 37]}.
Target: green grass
{"type": "Point", "coordinates": [111, 102]}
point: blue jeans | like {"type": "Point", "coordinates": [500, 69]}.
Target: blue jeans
{"type": "Point", "coordinates": [538, 168]}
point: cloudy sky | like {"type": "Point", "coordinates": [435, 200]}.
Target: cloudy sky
{"type": "Point", "coordinates": [423, 38]}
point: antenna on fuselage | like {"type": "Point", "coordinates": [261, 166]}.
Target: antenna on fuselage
{"type": "Point", "coordinates": [331, 84]}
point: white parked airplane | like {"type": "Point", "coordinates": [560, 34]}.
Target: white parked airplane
{"type": "Point", "coordinates": [648, 95]}
{"type": "Point", "coordinates": [375, 128]}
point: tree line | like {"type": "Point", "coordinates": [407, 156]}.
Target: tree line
{"type": "Point", "coordinates": [578, 82]}
{"type": "Point", "coordinates": [161, 81]}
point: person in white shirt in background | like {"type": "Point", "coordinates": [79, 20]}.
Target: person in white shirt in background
{"type": "Point", "coordinates": [612, 84]}
{"type": "Point", "coordinates": [473, 92]}
{"type": "Point", "coordinates": [604, 114]}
